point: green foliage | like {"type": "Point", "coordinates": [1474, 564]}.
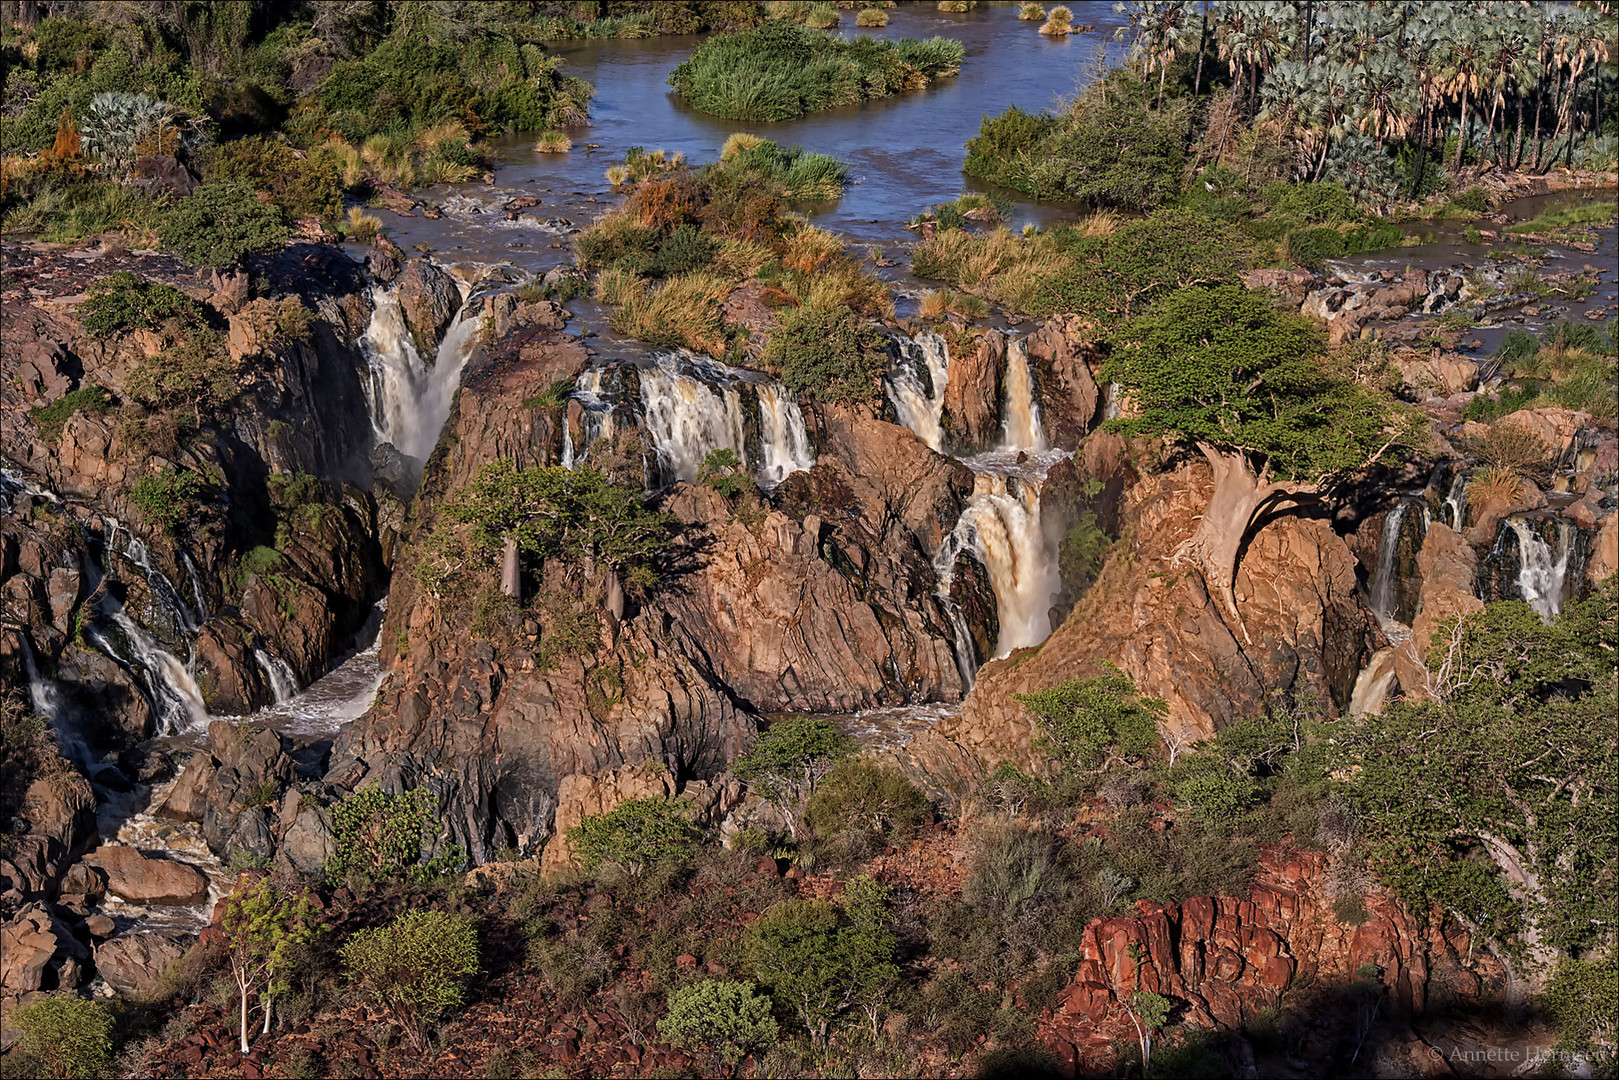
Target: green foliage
{"type": "Point", "coordinates": [169, 498]}
{"type": "Point", "coordinates": [1007, 147]}
{"type": "Point", "coordinates": [416, 967]}
{"type": "Point", "coordinates": [1582, 1000]}
{"type": "Point", "coordinates": [65, 1035]}
{"type": "Point", "coordinates": [725, 1020]}
{"type": "Point", "coordinates": [635, 833]}
{"type": "Point", "coordinates": [51, 419]}
{"type": "Point", "coordinates": [864, 805]}
{"type": "Point", "coordinates": [819, 959]}
{"type": "Point", "coordinates": [829, 353]}
{"type": "Point", "coordinates": [310, 186]}
{"type": "Point", "coordinates": [786, 172]}
{"type": "Point", "coordinates": [1222, 367]}
{"type": "Point", "coordinates": [779, 71]}
{"type": "Point", "coordinates": [1081, 553]}
{"type": "Point", "coordinates": [1311, 247]}
{"type": "Point", "coordinates": [122, 301]}
{"type": "Point", "coordinates": [723, 471]}
{"type": "Point", "coordinates": [382, 836]}
{"type": "Point", "coordinates": [1090, 722]}
{"type": "Point", "coordinates": [219, 225]}
{"type": "Point", "coordinates": [264, 931]}
{"type": "Point", "coordinates": [1496, 799]}
{"type": "Point", "coordinates": [1116, 276]}
{"type": "Point", "coordinates": [791, 756]}
{"type": "Point", "coordinates": [565, 514]}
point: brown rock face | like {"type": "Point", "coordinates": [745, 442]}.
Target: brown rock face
{"type": "Point", "coordinates": [137, 879]}
{"type": "Point", "coordinates": [1302, 631]}
{"type": "Point", "coordinates": [1066, 360]}
{"type": "Point", "coordinates": [429, 299]}
{"type": "Point", "coordinates": [1229, 959]}
{"type": "Point", "coordinates": [972, 399]}
{"type": "Point", "coordinates": [39, 952]}
{"type": "Point", "coordinates": [1449, 569]}
{"type": "Point", "coordinates": [135, 963]}
{"type": "Point", "coordinates": [227, 674]}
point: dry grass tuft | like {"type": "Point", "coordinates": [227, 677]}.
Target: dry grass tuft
{"type": "Point", "coordinates": [361, 226]}
{"type": "Point", "coordinates": [740, 142]}
{"type": "Point", "coordinates": [683, 311]}
{"type": "Point", "coordinates": [553, 142]}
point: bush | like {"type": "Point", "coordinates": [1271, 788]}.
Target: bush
{"type": "Point", "coordinates": [725, 473]}
{"type": "Point", "coordinates": [65, 1036]}
{"type": "Point", "coordinates": [122, 301]}
{"type": "Point", "coordinates": [306, 187]}
{"type": "Point", "coordinates": [789, 759]}
{"type": "Point", "coordinates": [830, 354]}
{"type": "Point", "coordinates": [52, 418]}
{"type": "Point", "coordinates": [779, 71]}
{"type": "Point", "coordinates": [168, 497]}
{"type": "Point", "coordinates": [219, 225]}
{"type": "Point", "coordinates": [1118, 275]}
{"type": "Point", "coordinates": [725, 1020]}
{"type": "Point", "coordinates": [633, 834]}
{"type": "Point", "coordinates": [1089, 721]}
{"type": "Point", "coordinates": [860, 799]}
{"type": "Point", "coordinates": [819, 960]}
{"type": "Point", "coordinates": [382, 836]}
{"type": "Point", "coordinates": [415, 967]}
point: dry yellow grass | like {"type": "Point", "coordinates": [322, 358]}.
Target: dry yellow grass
{"type": "Point", "coordinates": [1059, 23]}
{"type": "Point", "coordinates": [684, 310]}
{"type": "Point", "coordinates": [1495, 484]}
{"type": "Point", "coordinates": [553, 142]}
{"type": "Point", "coordinates": [361, 226]}
{"type": "Point", "coordinates": [809, 249]}
{"type": "Point", "coordinates": [738, 142]}
{"type": "Point", "coordinates": [615, 286]}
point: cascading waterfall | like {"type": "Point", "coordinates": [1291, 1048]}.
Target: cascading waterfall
{"type": "Point", "coordinates": [162, 587]}
{"type": "Point", "coordinates": [688, 419]}
{"type": "Point", "coordinates": [1373, 684]}
{"type": "Point", "coordinates": [1002, 524]}
{"type": "Point", "coordinates": [1383, 581]}
{"type": "Point", "coordinates": [944, 567]}
{"type": "Point", "coordinates": [175, 698]}
{"type": "Point", "coordinates": [1453, 511]}
{"type": "Point", "coordinates": [197, 593]}
{"type": "Point", "coordinates": [693, 406]}
{"type": "Point", "coordinates": [1020, 425]}
{"type": "Point", "coordinates": [409, 400]}
{"type": "Point", "coordinates": [784, 441]}
{"type": "Point", "coordinates": [1542, 569]}
{"type": "Point", "coordinates": [596, 417]}
{"type": "Point", "coordinates": [921, 407]}
{"type": "Point", "coordinates": [397, 370]}
{"type": "Point", "coordinates": [283, 682]}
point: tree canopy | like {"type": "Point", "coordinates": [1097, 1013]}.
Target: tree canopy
{"type": "Point", "coordinates": [219, 225]}
{"type": "Point", "coordinates": [1497, 799]}
{"type": "Point", "coordinates": [1222, 367]}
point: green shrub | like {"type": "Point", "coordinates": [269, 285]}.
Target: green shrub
{"type": "Point", "coordinates": [306, 187]}
{"type": "Point", "coordinates": [51, 419]}
{"type": "Point", "coordinates": [382, 836]}
{"type": "Point", "coordinates": [779, 71]}
{"type": "Point", "coordinates": [219, 225]}
{"type": "Point", "coordinates": [168, 497]}
{"type": "Point", "coordinates": [633, 834]}
{"type": "Point", "coordinates": [65, 1036]}
{"type": "Point", "coordinates": [1582, 999]}
{"type": "Point", "coordinates": [1090, 721]}
{"type": "Point", "coordinates": [122, 301]}
{"type": "Point", "coordinates": [723, 471]}
{"type": "Point", "coordinates": [830, 354]}
{"type": "Point", "coordinates": [415, 967]}
{"type": "Point", "coordinates": [789, 759]}
{"type": "Point", "coordinates": [860, 798]}
{"type": "Point", "coordinates": [1116, 276]}
{"type": "Point", "coordinates": [786, 172]}
{"type": "Point", "coordinates": [725, 1020]}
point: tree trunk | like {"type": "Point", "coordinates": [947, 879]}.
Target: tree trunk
{"type": "Point", "coordinates": [1237, 501]}
{"type": "Point", "coordinates": [269, 1010]}
{"type": "Point", "coordinates": [243, 990]}
{"type": "Point", "coordinates": [511, 571]}
{"type": "Point", "coordinates": [1461, 134]}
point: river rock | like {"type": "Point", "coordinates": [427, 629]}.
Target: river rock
{"type": "Point", "coordinates": [134, 963]}
{"type": "Point", "coordinates": [972, 397]}
{"type": "Point", "coordinates": [227, 674]}
{"type": "Point", "coordinates": [1553, 426]}
{"type": "Point", "coordinates": [1604, 558]}
{"type": "Point", "coordinates": [429, 299]}
{"type": "Point", "coordinates": [29, 868]}
{"type": "Point", "coordinates": [308, 841]}
{"type": "Point", "coordinates": [62, 807]}
{"type": "Point", "coordinates": [39, 952]}
{"type": "Point", "coordinates": [139, 879]}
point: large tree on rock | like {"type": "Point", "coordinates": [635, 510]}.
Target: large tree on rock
{"type": "Point", "coordinates": [1220, 369]}
{"type": "Point", "coordinates": [1497, 800]}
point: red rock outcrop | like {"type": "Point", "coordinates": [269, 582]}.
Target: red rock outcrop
{"type": "Point", "coordinates": [1227, 959]}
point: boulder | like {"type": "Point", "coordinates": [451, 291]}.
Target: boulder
{"type": "Point", "coordinates": [972, 397]}
{"type": "Point", "coordinates": [1553, 426]}
{"type": "Point", "coordinates": [29, 867]}
{"type": "Point", "coordinates": [134, 963]}
{"type": "Point", "coordinates": [429, 299]}
{"type": "Point", "coordinates": [308, 841]}
{"type": "Point", "coordinates": [139, 879]}
{"type": "Point", "coordinates": [227, 673]}
{"type": "Point", "coordinates": [39, 952]}
{"type": "Point", "coordinates": [62, 807]}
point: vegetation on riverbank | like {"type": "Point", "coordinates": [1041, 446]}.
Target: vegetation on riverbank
{"type": "Point", "coordinates": [780, 71]}
{"type": "Point", "coordinates": [305, 111]}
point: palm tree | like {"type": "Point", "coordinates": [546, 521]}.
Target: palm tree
{"type": "Point", "coordinates": [1462, 64]}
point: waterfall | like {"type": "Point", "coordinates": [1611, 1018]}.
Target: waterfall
{"type": "Point", "coordinates": [1542, 570]}
{"type": "Point", "coordinates": [197, 593]}
{"type": "Point", "coordinates": [1020, 426]}
{"type": "Point", "coordinates": [409, 400]}
{"type": "Point", "coordinates": [283, 682]}
{"type": "Point", "coordinates": [596, 417]}
{"type": "Point", "coordinates": [1373, 684]}
{"type": "Point", "coordinates": [162, 588]}
{"type": "Point", "coordinates": [176, 701]}
{"type": "Point", "coordinates": [1383, 581]}
{"type": "Point", "coordinates": [1002, 523]}
{"type": "Point", "coordinates": [1390, 593]}
{"type": "Point", "coordinates": [397, 370]}
{"type": "Point", "coordinates": [1453, 511]}
{"type": "Point", "coordinates": [920, 407]}
{"type": "Point", "coordinates": [944, 566]}
{"type": "Point", "coordinates": [784, 444]}
{"type": "Point", "coordinates": [688, 418]}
